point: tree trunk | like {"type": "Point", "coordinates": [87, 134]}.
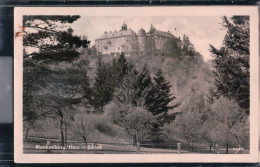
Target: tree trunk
{"type": "Point", "coordinates": [61, 132]}
{"type": "Point", "coordinates": [192, 146]}
{"type": "Point", "coordinates": [134, 140]}
{"type": "Point", "coordinates": [227, 148]}
{"type": "Point", "coordinates": [210, 147]}
{"type": "Point", "coordinates": [198, 146]}
{"type": "Point", "coordinates": [214, 147]}
{"type": "Point", "coordinates": [27, 131]}
{"type": "Point", "coordinates": [85, 140]}
{"type": "Point", "coordinates": [142, 135]}
{"type": "Point", "coordinates": [66, 133]}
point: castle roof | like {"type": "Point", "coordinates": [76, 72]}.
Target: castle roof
{"type": "Point", "coordinates": [141, 31]}
{"type": "Point", "coordinates": [127, 32]}
{"type": "Point", "coordinates": [162, 33]}
{"type": "Point", "coordinates": [124, 26]}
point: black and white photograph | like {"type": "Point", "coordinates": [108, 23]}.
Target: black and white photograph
{"type": "Point", "coordinates": [128, 82]}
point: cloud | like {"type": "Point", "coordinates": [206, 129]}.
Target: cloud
{"type": "Point", "coordinates": [202, 30]}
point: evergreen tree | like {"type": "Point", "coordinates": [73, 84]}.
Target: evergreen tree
{"type": "Point", "coordinates": [102, 89]}
{"type": "Point", "coordinates": [126, 93]}
{"type": "Point", "coordinates": [144, 87]}
{"type": "Point", "coordinates": [231, 61]}
{"type": "Point", "coordinates": [122, 67]}
{"type": "Point", "coordinates": [108, 77]}
{"type": "Point", "coordinates": [51, 83]}
{"type": "Point", "coordinates": [161, 99]}
{"type": "Point", "coordinates": [49, 35]}
{"type": "Point", "coordinates": [118, 69]}
{"type": "Point", "coordinates": [163, 96]}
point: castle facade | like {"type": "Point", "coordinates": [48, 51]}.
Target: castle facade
{"type": "Point", "coordinates": [130, 43]}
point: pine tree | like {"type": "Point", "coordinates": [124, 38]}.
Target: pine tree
{"type": "Point", "coordinates": [163, 95]}
{"type": "Point", "coordinates": [231, 61]}
{"type": "Point", "coordinates": [102, 89]}
{"type": "Point", "coordinates": [122, 67]}
{"type": "Point", "coordinates": [57, 85]}
{"type": "Point", "coordinates": [161, 99]}
{"type": "Point", "coordinates": [62, 43]}
{"type": "Point", "coordinates": [144, 87]}
{"type": "Point", "coordinates": [126, 93]}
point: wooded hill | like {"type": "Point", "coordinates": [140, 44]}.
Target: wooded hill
{"type": "Point", "coordinates": [143, 98]}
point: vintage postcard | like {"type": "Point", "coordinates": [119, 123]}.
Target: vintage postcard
{"type": "Point", "coordinates": [136, 84]}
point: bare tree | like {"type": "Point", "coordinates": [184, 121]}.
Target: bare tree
{"type": "Point", "coordinates": [83, 125]}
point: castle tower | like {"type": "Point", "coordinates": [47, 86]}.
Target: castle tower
{"type": "Point", "coordinates": [141, 40]}
{"type": "Point", "coordinates": [124, 27]}
{"type": "Point", "coordinates": [152, 29]}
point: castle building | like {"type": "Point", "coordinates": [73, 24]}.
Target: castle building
{"type": "Point", "coordinates": [130, 43]}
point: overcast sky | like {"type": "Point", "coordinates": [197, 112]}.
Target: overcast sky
{"type": "Point", "coordinates": [202, 30]}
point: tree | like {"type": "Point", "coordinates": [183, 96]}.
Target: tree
{"type": "Point", "coordinates": [132, 118]}
{"type": "Point", "coordinates": [64, 90]}
{"type": "Point", "coordinates": [144, 87]}
{"type": "Point", "coordinates": [33, 80]}
{"type": "Point", "coordinates": [212, 95]}
{"type": "Point", "coordinates": [162, 96]}
{"type": "Point", "coordinates": [172, 49]}
{"type": "Point", "coordinates": [122, 68]}
{"type": "Point", "coordinates": [189, 124]}
{"type": "Point", "coordinates": [189, 54]}
{"type": "Point", "coordinates": [188, 48]}
{"type": "Point", "coordinates": [226, 114]}
{"type": "Point", "coordinates": [52, 38]}
{"type": "Point", "coordinates": [83, 125]}
{"type": "Point", "coordinates": [231, 61]}
{"type": "Point", "coordinates": [59, 85]}
{"type": "Point", "coordinates": [101, 86]}
{"type": "Point", "coordinates": [241, 132]}
{"type": "Point", "coordinates": [160, 103]}
{"type": "Point", "coordinates": [126, 93]}
{"type": "Point", "coordinates": [107, 78]}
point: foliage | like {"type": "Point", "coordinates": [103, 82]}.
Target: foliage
{"type": "Point", "coordinates": [52, 37]}
{"type": "Point", "coordinates": [132, 118]}
{"type": "Point", "coordinates": [226, 114]}
{"type": "Point", "coordinates": [102, 89]}
{"type": "Point", "coordinates": [241, 132]}
{"type": "Point", "coordinates": [231, 61]}
{"type": "Point", "coordinates": [51, 84]}
{"type": "Point", "coordinates": [144, 87]}
{"type": "Point", "coordinates": [127, 92]}
{"type": "Point", "coordinates": [189, 54]}
{"type": "Point", "coordinates": [108, 77]}
{"type": "Point", "coordinates": [172, 49]}
{"type": "Point", "coordinates": [189, 124]}
{"type": "Point", "coordinates": [162, 97]}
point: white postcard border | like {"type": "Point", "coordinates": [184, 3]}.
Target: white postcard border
{"type": "Point", "coordinates": [20, 157]}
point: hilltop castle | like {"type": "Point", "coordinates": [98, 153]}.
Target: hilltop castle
{"type": "Point", "coordinates": [127, 41]}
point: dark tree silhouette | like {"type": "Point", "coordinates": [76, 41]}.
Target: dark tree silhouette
{"type": "Point", "coordinates": [231, 61]}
